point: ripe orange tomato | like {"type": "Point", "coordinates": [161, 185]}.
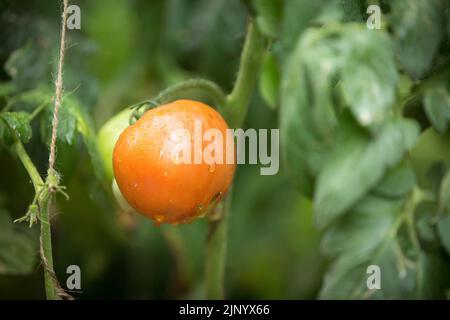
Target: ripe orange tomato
{"type": "Point", "coordinates": [153, 183]}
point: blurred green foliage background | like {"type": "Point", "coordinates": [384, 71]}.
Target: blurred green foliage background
{"type": "Point", "coordinates": [127, 51]}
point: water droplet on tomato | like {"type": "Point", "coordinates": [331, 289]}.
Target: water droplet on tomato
{"type": "Point", "coordinates": [201, 212]}
{"type": "Point", "coordinates": [159, 219]}
{"type": "Point", "coordinates": [212, 167]}
{"type": "Point", "coordinates": [215, 197]}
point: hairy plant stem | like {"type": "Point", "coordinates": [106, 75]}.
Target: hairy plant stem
{"type": "Point", "coordinates": [46, 247]}
{"type": "Point", "coordinates": [36, 179]}
{"type": "Point", "coordinates": [234, 111]}
{"type": "Point", "coordinates": [43, 198]}
{"type": "Point", "coordinates": [238, 100]}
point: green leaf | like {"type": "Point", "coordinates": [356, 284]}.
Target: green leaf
{"type": "Point", "coordinates": [443, 227]}
{"type": "Point", "coordinates": [417, 30]}
{"type": "Point", "coordinates": [299, 14]}
{"type": "Point", "coordinates": [66, 122]}
{"type": "Point", "coordinates": [367, 236]}
{"type": "Point", "coordinates": [357, 164]}
{"type": "Point", "coordinates": [369, 76]}
{"type": "Point", "coordinates": [397, 182]}
{"type": "Point", "coordinates": [270, 81]}
{"type": "Point", "coordinates": [370, 234]}
{"type": "Point", "coordinates": [28, 66]}
{"type": "Point", "coordinates": [437, 106]}
{"type": "Point", "coordinates": [308, 118]}
{"type": "Point", "coordinates": [85, 127]}
{"type": "Point", "coordinates": [363, 228]}
{"type": "Point", "coordinates": [300, 137]}
{"type": "Point", "coordinates": [435, 174]}
{"type": "Point", "coordinates": [15, 123]}
{"type": "Point", "coordinates": [73, 119]}
{"type": "Point", "coordinates": [268, 17]}
{"type": "Point", "coordinates": [18, 247]}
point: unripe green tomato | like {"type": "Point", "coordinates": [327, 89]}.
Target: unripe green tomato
{"type": "Point", "coordinates": [123, 204]}
{"type": "Point", "coordinates": [107, 137]}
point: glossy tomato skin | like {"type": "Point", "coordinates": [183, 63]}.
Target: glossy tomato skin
{"type": "Point", "coordinates": [149, 178]}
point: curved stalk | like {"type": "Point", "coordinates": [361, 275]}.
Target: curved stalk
{"type": "Point", "coordinates": [216, 251]}
{"type": "Point", "coordinates": [36, 179]}
{"type": "Point", "coordinates": [211, 89]}
{"type": "Point", "coordinates": [235, 110]}
{"type": "Point", "coordinates": [238, 100]}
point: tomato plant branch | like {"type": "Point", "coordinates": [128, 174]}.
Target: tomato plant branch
{"type": "Point", "coordinates": [234, 111]}
{"type": "Point", "coordinates": [46, 249]}
{"type": "Point", "coordinates": [38, 109]}
{"type": "Point", "coordinates": [9, 104]}
{"type": "Point", "coordinates": [216, 251]}
{"type": "Point", "coordinates": [209, 88]}
{"type": "Point", "coordinates": [252, 55]}
{"type": "Point", "coordinates": [206, 87]}
{"type": "Point", "coordinates": [174, 241]}
{"type": "Point", "coordinates": [36, 179]}
{"type": "Point", "coordinates": [42, 200]}
{"type": "Point", "coordinates": [411, 202]}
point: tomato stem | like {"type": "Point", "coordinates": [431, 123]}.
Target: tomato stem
{"type": "Point", "coordinates": [207, 87]}
{"type": "Point", "coordinates": [46, 249]}
{"type": "Point", "coordinates": [234, 111]}
{"type": "Point", "coordinates": [36, 179]}
{"type": "Point", "coordinates": [43, 198]}
{"type": "Point", "coordinates": [238, 100]}
{"type": "Point", "coordinates": [38, 109]}
{"type": "Point", "coordinates": [216, 243]}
